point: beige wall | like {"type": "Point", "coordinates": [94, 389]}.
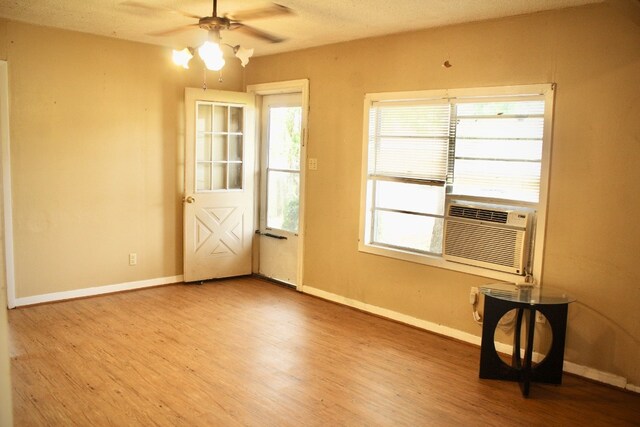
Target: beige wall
{"type": "Point", "coordinates": [593, 237]}
{"type": "Point", "coordinates": [96, 145]}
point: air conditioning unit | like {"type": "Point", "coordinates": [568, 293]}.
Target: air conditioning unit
{"type": "Point", "coordinates": [493, 237]}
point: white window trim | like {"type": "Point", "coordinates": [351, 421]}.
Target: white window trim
{"type": "Point", "coordinates": [548, 91]}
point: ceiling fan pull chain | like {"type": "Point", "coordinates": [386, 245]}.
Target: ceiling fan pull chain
{"type": "Point", "coordinates": [204, 79]}
{"type": "Point", "coordinates": [220, 77]}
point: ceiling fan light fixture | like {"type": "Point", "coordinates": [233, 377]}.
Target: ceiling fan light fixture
{"type": "Point", "coordinates": [212, 56]}
{"type": "Point", "coordinates": [243, 54]}
{"type": "Point", "coordinates": [210, 52]}
{"type": "Point", "coordinates": [182, 57]}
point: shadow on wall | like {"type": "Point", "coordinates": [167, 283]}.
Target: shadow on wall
{"type": "Point", "coordinates": [589, 328]}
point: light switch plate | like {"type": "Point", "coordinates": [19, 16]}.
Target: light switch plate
{"type": "Point", "coordinates": [313, 164]}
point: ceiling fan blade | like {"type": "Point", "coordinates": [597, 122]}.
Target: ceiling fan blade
{"type": "Point", "coordinates": [265, 12]}
{"type": "Point", "coordinates": [254, 32]}
{"type": "Point", "coordinates": [173, 30]}
{"type": "Point", "coordinates": [143, 6]}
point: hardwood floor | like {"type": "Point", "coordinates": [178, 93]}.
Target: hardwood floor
{"type": "Point", "coordinates": [248, 352]}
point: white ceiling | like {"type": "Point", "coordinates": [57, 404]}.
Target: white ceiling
{"type": "Point", "coordinates": [315, 22]}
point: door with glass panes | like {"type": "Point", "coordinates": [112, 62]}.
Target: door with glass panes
{"type": "Point", "coordinates": [219, 184]}
{"type": "Point", "coordinates": [281, 137]}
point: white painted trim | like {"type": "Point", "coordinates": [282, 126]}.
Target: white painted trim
{"type": "Point", "coordinates": [570, 367]}
{"type": "Point", "coordinates": [594, 374]}
{"type": "Point", "coordinates": [288, 86]}
{"type": "Point", "coordinates": [633, 388]}
{"type": "Point", "coordinates": [545, 172]}
{"type": "Point", "coordinates": [98, 290]}
{"type": "Point", "coordinates": [462, 93]}
{"type": "Point", "coordinates": [7, 204]}
{"type": "Point", "coordinates": [292, 86]}
{"type": "Point", "coordinates": [541, 91]}
{"type": "Point", "coordinates": [394, 315]}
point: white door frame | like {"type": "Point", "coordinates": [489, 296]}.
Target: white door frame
{"type": "Point", "coordinates": [7, 205]}
{"type": "Point", "coordinates": [291, 86]}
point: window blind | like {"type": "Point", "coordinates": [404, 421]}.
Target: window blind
{"type": "Point", "coordinates": [409, 141]}
{"type": "Point", "coordinates": [498, 149]}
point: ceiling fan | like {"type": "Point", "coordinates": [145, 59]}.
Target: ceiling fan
{"type": "Point", "coordinates": [215, 23]}
{"type": "Point", "coordinates": [210, 52]}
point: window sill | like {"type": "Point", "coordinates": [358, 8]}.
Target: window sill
{"type": "Point", "coordinates": [435, 261]}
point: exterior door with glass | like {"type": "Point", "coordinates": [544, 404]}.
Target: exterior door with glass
{"type": "Point", "coordinates": [281, 137]}
{"type": "Point", "coordinates": [219, 187]}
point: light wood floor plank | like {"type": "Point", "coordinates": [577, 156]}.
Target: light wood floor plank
{"type": "Point", "coordinates": [248, 352]}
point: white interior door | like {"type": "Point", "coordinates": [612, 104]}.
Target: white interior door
{"type": "Point", "coordinates": [219, 184]}
{"type": "Point", "coordinates": [281, 148]}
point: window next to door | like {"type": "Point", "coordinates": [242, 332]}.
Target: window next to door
{"type": "Point", "coordinates": [422, 150]}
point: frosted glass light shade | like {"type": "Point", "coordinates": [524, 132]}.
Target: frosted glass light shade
{"type": "Point", "coordinates": [211, 54]}
{"type": "Point", "coordinates": [243, 54]}
{"type": "Point", "coordinates": [182, 57]}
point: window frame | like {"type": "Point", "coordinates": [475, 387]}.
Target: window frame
{"type": "Point", "coordinates": [547, 91]}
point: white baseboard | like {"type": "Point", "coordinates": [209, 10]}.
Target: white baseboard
{"type": "Point", "coordinates": [98, 290]}
{"type": "Point", "coordinates": [570, 367]}
{"type": "Point", "coordinates": [633, 388]}
{"type": "Point", "coordinates": [594, 374]}
{"type": "Point", "coordinates": [394, 315]}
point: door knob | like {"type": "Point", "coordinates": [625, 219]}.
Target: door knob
{"type": "Point", "coordinates": [189, 199]}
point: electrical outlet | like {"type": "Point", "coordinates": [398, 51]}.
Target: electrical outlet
{"type": "Point", "coordinates": [133, 259]}
{"type": "Point", "coordinates": [540, 317]}
{"type": "Point", "coordinates": [313, 164]}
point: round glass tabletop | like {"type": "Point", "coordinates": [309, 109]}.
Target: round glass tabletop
{"type": "Point", "coordinates": [526, 294]}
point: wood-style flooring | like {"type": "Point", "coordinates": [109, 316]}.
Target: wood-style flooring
{"type": "Point", "coordinates": [248, 352]}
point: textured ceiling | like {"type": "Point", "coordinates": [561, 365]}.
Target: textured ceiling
{"type": "Point", "coordinates": [315, 22]}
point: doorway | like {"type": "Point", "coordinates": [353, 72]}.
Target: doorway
{"type": "Point", "coordinates": [280, 200]}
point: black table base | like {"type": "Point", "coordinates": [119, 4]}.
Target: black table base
{"type": "Point", "coordinates": [549, 370]}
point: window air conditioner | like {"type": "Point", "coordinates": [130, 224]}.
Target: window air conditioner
{"type": "Point", "coordinates": [493, 237]}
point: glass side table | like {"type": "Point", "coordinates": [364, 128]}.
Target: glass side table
{"type": "Point", "coordinates": [553, 304]}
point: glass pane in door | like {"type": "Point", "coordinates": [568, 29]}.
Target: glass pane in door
{"type": "Point", "coordinates": [283, 168]}
{"type": "Point", "coordinates": [235, 176]}
{"type": "Point", "coordinates": [235, 147]}
{"type": "Point", "coordinates": [283, 189]}
{"type": "Point", "coordinates": [220, 118]}
{"type": "Point", "coordinates": [219, 147]}
{"type": "Point", "coordinates": [219, 176]}
{"type": "Point", "coordinates": [235, 119]}
{"type": "Point", "coordinates": [203, 121]}
{"type": "Point", "coordinates": [203, 176]}
{"type": "Point", "coordinates": [284, 137]}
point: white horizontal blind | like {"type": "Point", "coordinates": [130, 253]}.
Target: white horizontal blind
{"type": "Point", "coordinates": [498, 149]}
{"type": "Point", "coordinates": [408, 140]}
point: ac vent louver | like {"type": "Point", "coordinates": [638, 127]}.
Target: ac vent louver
{"type": "Point", "coordinates": [479, 214]}
{"type": "Point", "coordinates": [491, 237]}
